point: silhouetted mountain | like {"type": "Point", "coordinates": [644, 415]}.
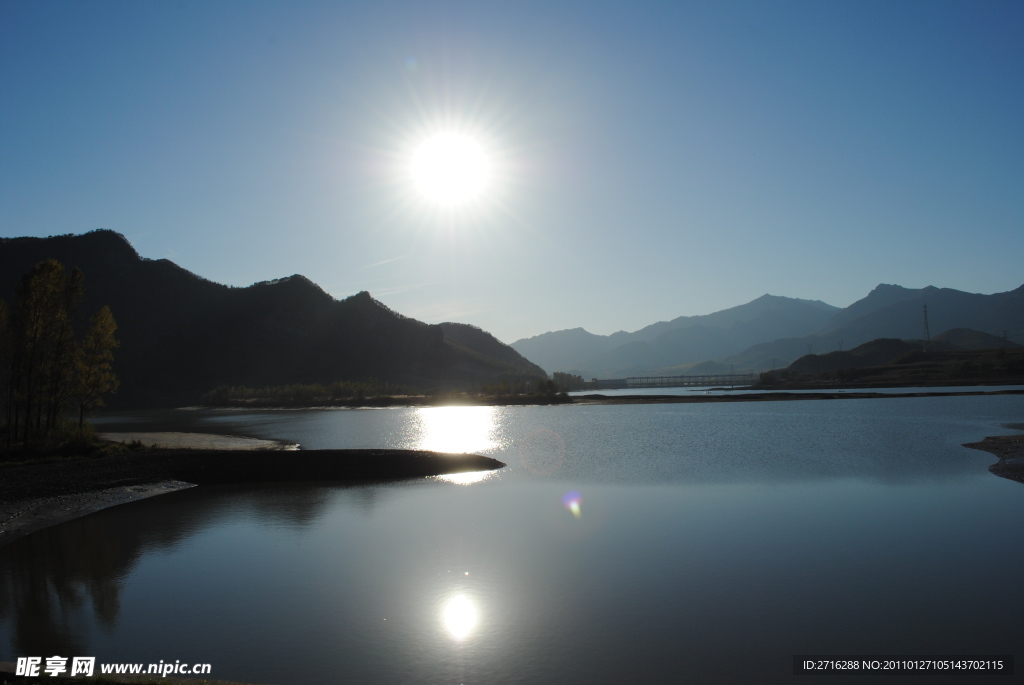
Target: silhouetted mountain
{"type": "Point", "coordinates": [183, 335]}
{"type": "Point", "coordinates": [966, 339]}
{"type": "Point", "coordinates": [686, 339]}
{"type": "Point", "coordinates": [883, 351]}
{"type": "Point", "coordinates": [489, 350]}
{"type": "Point", "coordinates": [873, 353]}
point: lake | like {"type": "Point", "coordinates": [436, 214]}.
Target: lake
{"type": "Point", "coordinates": [634, 543]}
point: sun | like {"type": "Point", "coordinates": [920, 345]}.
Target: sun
{"type": "Point", "coordinates": [450, 169]}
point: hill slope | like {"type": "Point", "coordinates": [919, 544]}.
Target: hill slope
{"type": "Point", "coordinates": [183, 335]}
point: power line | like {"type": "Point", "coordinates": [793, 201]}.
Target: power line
{"type": "Point", "coordinates": [927, 333]}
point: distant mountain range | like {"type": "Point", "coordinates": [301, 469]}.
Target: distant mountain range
{"type": "Point", "coordinates": [771, 332]}
{"type": "Point", "coordinates": [182, 335]}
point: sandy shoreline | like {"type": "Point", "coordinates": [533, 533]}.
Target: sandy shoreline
{"type": "Point", "coordinates": [196, 441]}
{"type": "Point", "coordinates": [25, 516]}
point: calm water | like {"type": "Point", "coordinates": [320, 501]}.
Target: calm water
{"type": "Point", "coordinates": [656, 543]}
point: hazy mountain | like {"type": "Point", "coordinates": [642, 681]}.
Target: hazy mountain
{"type": "Point", "coordinates": [884, 295]}
{"type": "Point", "coordinates": [686, 339]}
{"type": "Point", "coordinates": [563, 350]}
{"type": "Point", "coordinates": [947, 308]}
{"type": "Point", "coordinates": [182, 335]}
{"type": "Point", "coordinates": [772, 332]}
{"type": "Point", "coordinates": [778, 353]}
{"type": "Point", "coordinates": [890, 311]}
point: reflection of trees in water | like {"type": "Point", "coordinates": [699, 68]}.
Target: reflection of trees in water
{"type": "Point", "coordinates": [49, 580]}
{"type": "Point", "coordinates": [288, 505]}
{"type": "Point", "coordinates": [46, 580]}
{"type": "Point", "coordinates": [365, 498]}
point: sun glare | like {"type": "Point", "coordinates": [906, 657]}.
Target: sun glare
{"type": "Point", "coordinates": [460, 617]}
{"type": "Point", "coordinates": [456, 429]}
{"type": "Point", "coordinates": [450, 169]}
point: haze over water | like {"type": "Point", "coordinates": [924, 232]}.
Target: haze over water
{"type": "Point", "coordinates": [650, 543]}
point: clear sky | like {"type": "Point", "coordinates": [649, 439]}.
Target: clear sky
{"type": "Point", "coordinates": [644, 160]}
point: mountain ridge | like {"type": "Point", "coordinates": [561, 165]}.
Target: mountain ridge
{"type": "Point", "coordinates": [887, 311]}
{"type": "Point", "coordinates": [680, 340]}
{"type": "Point", "coordinates": [183, 335]}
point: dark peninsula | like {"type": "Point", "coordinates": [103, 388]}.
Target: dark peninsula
{"type": "Point", "coordinates": [44, 492]}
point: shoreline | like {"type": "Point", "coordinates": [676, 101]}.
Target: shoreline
{"type": "Point", "coordinates": [43, 493]}
{"type": "Point", "coordinates": [21, 517]}
{"type": "Point", "coordinates": [774, 396]}
{"type": "Point", "coordinates": [1009, 449]}
{"type": "Point", "coordinates": [754, 395]}
{"type": "Point", "coordinates": [175, 440]}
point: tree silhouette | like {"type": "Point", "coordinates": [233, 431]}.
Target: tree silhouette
{"type": "Point", "coordinates": [94, 375]}
{"type": "Point", "coordinates": [43, 364]}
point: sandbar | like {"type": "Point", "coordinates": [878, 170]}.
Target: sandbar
{"type": "Point", "coordinates": [41, 493]}
{"type": "Point", "coordinates": [1009, 449]}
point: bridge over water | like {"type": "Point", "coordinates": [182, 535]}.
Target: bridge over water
{"type": "Point", "coordinates": [702, 380]}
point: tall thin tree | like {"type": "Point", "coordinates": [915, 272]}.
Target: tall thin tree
{"type": "Point", "coordinates": [41, 350]}
{"type": "Point", "coordinates": [5, 371]}
{"type": "Point", "coordinates": [94, 374]}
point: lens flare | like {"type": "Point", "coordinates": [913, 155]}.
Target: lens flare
{"type": "Point", "coordinates": [572, 502]}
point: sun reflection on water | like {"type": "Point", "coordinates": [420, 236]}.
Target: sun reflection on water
{"type": "Point", "coordinates": [456, 429]}
{"type": "Point", "coordinates": [460, 616]}
{"type": "Point", "coordinates": [466, 478]}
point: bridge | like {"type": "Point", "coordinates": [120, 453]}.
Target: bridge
{"type": "Point", "coordinates": [703, 380]}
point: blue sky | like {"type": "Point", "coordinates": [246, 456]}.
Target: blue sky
{"type": "Point", "coordinates": [650, 159]}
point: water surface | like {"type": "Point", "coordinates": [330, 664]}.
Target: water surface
{"type": "Point", "coordinates": [656, 543]}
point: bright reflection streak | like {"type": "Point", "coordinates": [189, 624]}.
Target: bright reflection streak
{"type": "Point", "coordinates": [460, 616]}
{"type": "Point", "coordinates": [466, 478]}
{"type": "Point", "coordinates": [456, 429]}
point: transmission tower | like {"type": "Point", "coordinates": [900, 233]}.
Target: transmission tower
{"type": "Point", "coordinates": [927, 333]}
